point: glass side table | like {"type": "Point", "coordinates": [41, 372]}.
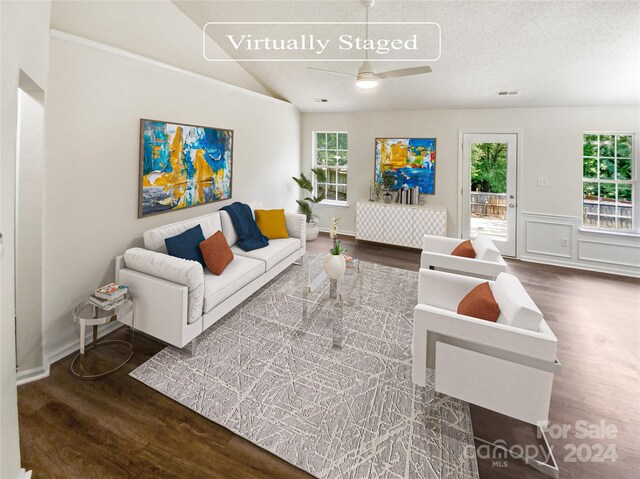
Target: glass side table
{"type": "Point", "coordinates": [86, 314]}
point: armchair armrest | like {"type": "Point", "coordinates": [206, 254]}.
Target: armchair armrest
{"type": "Point", "coordinates": [439, 244]}
{"type": "Point", "coordinates": [176, 270]}
{"type": "Point", "coordinates": [459, 264]}
{"type": "Point", "coordinates": [518, 341]}
{"type": "Point", "coordinates": [444, 290]}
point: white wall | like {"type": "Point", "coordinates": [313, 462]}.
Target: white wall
{"type": "Point", "coordinates": [551, 147]}
{"type": "Point", "coordinates": [155, 29]}
{"type": "Point", "coordinates": [95, 102]}
{"type": "Point", "coordinates": [24, 45]}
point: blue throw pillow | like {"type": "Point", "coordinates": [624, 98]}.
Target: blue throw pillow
{"type": "Point", "coordinates": [187, 245]}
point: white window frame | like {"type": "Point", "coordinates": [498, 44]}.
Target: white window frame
{"type": "Point", "coordinates": [336, 167]}
{"type": "Point", "coordinates": [635, 193]}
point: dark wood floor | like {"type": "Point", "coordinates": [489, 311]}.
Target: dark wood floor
{"type": "Point", "coordinates": [117, 428]}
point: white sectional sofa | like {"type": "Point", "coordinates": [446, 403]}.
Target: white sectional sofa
{"type": "Point", "coordinates": [177, 299]}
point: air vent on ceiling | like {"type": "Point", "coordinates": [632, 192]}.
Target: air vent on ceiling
{"type": "Point", "coordinates": [321, 100]}
{"type": "Point", "coordinates": [507, 93]}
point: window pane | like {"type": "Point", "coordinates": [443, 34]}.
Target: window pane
{"type": "Point", "coordinates": [624, 207]}
{"type": "Point", "coordinates": [624, 169]}
{"type": "Point", "coordinates": [342, 193]}
{"type": "Point", "coordinates": [590, 145]}
{"type": "Point", "coordinates": [321, 188]}
{"type": "Point", "coordinates": [331, 160]}
{"type": "Point", "coordinates": [321, 157]}
{"type": "Point", "coordinates": [590, 204]}
{"type": "Point", "coordinates": [321, 141]}
{"type": "Point", "coordinates": [623, 146]}
{"type": "Point", "coordinates": [342, 177]}
{"type": "Point", "coordinates": [590, 167]}
{"type": "Point", "coordinates": [607, 146]}
{"type": "Point", "coordinates": [607, 192]}
{"type": "Point", "coordinates": [332, 176]}
{"type": "Point", "coordinates": [607, 168]}
{"type": "Point", "coordinates": [332, 142]}
{"type": "Point", "coordinates": [342, 141]}
{"type": "Point", "coordinates": [343, 160]}
{"type": "Point", "coordinates": [331, 192]}
{"type": "Point", "coordinates": [608, 222]}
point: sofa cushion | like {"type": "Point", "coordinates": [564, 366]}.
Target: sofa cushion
{"type": "Point", "coordinates": [216, 253]}
{"type": "Point", "coordinates": [186, 245]}
{"type": "Point", "coordinates": [272, 223]}
{"type": "Point", "coordinates": [154, 239]}
{"type": "Point", "coordinates": [516, 306]}
{"type": "Point", "coordinates": [480, 303]}
{"type": "Point", "coordinates": [485, 249]}
{"type": "Point", "coordinates": [464, 249]}
{"type": "Point", "coordinates": [240, 272]}
{"type": "Point", "coordinates": [276, 251]}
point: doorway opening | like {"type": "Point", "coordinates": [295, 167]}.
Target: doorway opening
{"type": "Point", "coordinates": [29, 182]}
{"type": "Point", "coordinates": [489, 188]}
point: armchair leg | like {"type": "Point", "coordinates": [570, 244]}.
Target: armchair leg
{"type": "Point", "coordinates": [549, 468]}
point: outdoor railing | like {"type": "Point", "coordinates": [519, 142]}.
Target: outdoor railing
{"type": "Point", "coordinates": [488, 205]}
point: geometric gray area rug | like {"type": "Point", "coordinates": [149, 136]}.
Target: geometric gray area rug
{"type": "Point", "coordinates": [323, 384]}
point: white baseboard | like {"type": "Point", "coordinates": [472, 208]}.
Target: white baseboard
{"type": "Point", "coordinates": [24, 474]}
{"type": "Point", "coordinates": [581, 266]}
{"type": "Point", "coordinates": [30, 375]}
{"type": "Point", "coordinates": [340, 232]}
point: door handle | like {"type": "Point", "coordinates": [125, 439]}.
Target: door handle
{"type": "Point", "coordinates": [512, 205]}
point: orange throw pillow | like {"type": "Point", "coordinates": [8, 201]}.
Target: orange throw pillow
{"type": "Point", "coordinates": [216, 253]}
{"type": "Point", "coordinates": [464, 249]}
{"type": "Point", "coordinates": [480, 303]}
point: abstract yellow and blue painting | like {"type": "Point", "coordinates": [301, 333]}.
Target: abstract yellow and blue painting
{"type": "Point", "coordinates": [409, 161]}
{"type": "Point", "coordinates": [182, 166]}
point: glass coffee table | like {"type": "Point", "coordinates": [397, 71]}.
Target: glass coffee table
{"type": "Point", "coordinates": [322, 296]}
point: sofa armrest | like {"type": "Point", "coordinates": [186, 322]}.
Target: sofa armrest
{"type": "Point", "coordinates": [444, 290]}
{"type": "Point", "coordinates": [176, 270]}
{"type": "Point", "coordinates": [296, 225]}
{"type": "Point", "coordinates": [439, 244]}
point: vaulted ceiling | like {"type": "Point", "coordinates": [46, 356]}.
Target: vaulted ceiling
{"type": "Point", "coordinates": [554, 53]}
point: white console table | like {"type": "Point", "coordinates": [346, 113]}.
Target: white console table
{"type": "Point", "coordinates": [397, 224]}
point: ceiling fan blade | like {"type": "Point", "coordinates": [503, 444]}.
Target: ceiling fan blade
{"type": "Point", "coordinates": [331, 71]}
{"type": "Point", "coordinates": [404, 72]}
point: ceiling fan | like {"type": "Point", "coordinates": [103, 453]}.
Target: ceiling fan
{"type": "Point", "coordinates": [367, 78]}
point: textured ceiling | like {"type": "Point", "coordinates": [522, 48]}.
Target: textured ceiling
{"type": "Point", "coordinates": [554, 53]}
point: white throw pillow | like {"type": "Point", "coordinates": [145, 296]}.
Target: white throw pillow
{"type": "Point", "coordinates": [517, 309]}
{"type": "Point", "coordinates": [485, 249]}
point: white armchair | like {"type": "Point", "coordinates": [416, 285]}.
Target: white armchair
{"type": "Point", "coordinates": [436, 254]}
{"type": "Point", "coordinates": [506, 366]}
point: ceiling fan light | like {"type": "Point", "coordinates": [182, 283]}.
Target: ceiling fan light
{"type": "Point", "coordinates": [367, 83]}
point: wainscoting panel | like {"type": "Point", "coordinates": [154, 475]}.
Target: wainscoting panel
{"type": "Point", "coordinates": [547, 238]}
{"type": "Point", "coordinates": [559, 240]}
{"type": "Point", "coordinates": [609, 253]}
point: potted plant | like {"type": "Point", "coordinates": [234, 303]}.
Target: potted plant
{"type": "Point", "coordinates": [334, 262]}
{"type": "Point", "coordinates": [305, 205]}
{"type": "Point", "coordinates": [376, 190]}
{"type": "Point", "coordinates": [388, 180]}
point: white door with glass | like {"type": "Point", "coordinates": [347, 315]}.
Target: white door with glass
{"type": "Point", "coordinates": [489, 188]}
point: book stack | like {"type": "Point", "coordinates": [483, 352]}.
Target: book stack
{"type": "Point", "coordinates": [109, 296]}
{"type": "Point", "coordinates": [409, 196]}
